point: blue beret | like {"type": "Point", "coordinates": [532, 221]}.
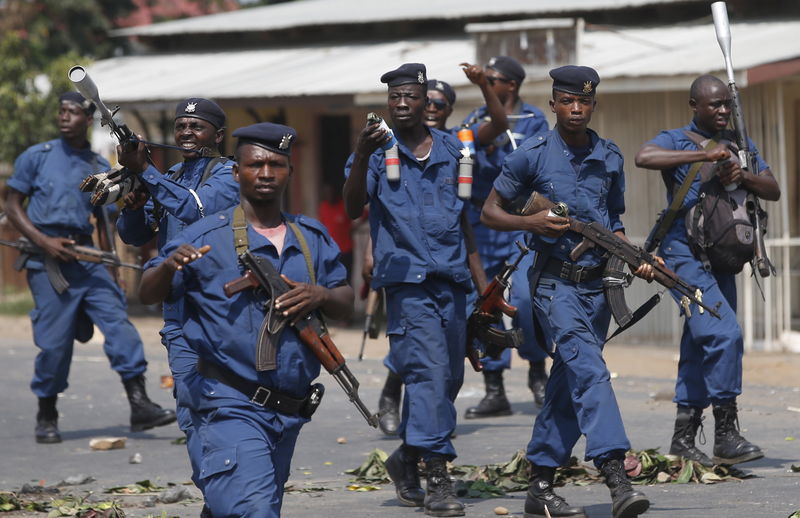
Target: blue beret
{"type": "Point", "coordinates": [575, 80]}
{"type": "Point", "coordinates": [200, 108]}
{"type": "Point", "coordinates": [405, 74]}
{"type": "Point", "coordinates": [509, 67]}
{"type": "Point", "coordinates": [75, 97]}
{"type": "Point", "coordinates": [271, 136]}
{"type": "Point", "coordinates": [445, 88]}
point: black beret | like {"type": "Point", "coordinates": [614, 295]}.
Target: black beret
{"type": "Point", "coordinates": [445, 88]}
{"type": "Point", "coordinates": [405, 74]}
{"type": "Point", "coordinates": [75, 97]}
{"type": "Point", "coordinates": [509, 67]}
{"type": "Point", "coordinates": [271, 136]}
{"type": "Point", "coordinates": [575, 80]}
{"type": "Point", "coordinates": [200, 108]}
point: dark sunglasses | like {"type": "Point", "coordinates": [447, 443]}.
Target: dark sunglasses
{"type": "Point", "coordinates": [437, 103]}
{"type": "Point", "coordinates": [493, 79]}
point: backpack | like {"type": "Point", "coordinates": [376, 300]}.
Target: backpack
{"type": "Point", "coordinates": [719, 226]}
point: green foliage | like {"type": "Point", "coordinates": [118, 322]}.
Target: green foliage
{"type": "Point", "coordinates": [40, 41]}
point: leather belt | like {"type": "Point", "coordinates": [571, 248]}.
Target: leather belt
{"type": "Point", "coordinates": [264, 396]}
{"type": "Point", "coordinates": [572, 271]}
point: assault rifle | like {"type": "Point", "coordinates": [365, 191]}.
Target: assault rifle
{"type": "Point", "coordinates": [747, 158]}
{"type": "Point", "coordinates": [260, 274]}
{"type": "Point", "coordinates": [488, 311]}
{"type": "Point", "coordinates": [51, 264]}
{"type": "Point", "coordinates": [621, 252]}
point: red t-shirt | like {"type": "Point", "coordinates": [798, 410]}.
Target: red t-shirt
{"type": "Point", "coordinates": [335, 219]}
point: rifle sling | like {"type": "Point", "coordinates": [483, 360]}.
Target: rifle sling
{"type": "Point", "coordinates": [268, 335]}
{"type": "Point", "coordinates": [677, 200]}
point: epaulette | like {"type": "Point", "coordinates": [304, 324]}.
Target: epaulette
{"type": "Point", "coordinates": [535, 141]}
{"type": "Point", "coordinates": [452, 144]}
{"type": "Point", "coordinates": [612, 146]}
{"type": "Point", "coordinates": [205, 225]}
{"type": "Point", "coordinates": [308, 222]}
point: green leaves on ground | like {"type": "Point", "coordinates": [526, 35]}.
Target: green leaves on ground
{"type": "Point", "coordinates": [64, 506]}
{"type": "Point", "coordinates": [137, 488]}
{"type": "Point", "coordinates": [492, 480]}
{"type": "Point", "coordinates": [657, 468]}
{"type": "Point", "coordinates": [373, 470]}
{"type": "Point", "coordinates": [78, 507]}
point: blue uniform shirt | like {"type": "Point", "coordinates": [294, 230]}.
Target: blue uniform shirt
{"type": "Point", "coordinates": [49, 174]}
{"type": "Point", "coordinates": [225, 330]}
{"type": "Point", "coordinates": [594, 193]}
{"type": "Point", "coordinates": [676, 139]}
{"type": "Point", "coordinates": [415, 222]}
{"type": "Point", "coordinates": [488, 165]}
{"type": "Point", "coordinates": [180, 207]}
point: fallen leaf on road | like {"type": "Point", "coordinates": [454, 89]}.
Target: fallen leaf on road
{"type": "Point", "coordinates": [137, 488]}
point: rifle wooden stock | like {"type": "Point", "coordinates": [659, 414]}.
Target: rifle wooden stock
{"type": "Point", "coordinates": [311, 329]}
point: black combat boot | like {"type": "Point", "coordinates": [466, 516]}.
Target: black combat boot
{"type": "Point", "coordinates": [537, 381]}
{"type": "Point", "coordinates": [626, 502]}
{"type": "Point", "coordinates": [688, 421]}
{"type": "Point", "coordinates": [402, 469]}
{"type": "Point", "coordinates": [494, 403]}
{"type": "Point", "coordinates": [389, 404]}
{"type": "Point", "coordinates": [729, 446]}
{"type": "Point", "coordinates": [541, 495]}
{"type": "Point", "coordinates": [144, 413]}
{"type": "Point", "coordinates": [47, 421]}
{"type": "Point", "coordinates": [440, 499]}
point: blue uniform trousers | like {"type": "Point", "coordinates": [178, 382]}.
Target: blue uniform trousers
{"type": "Point", "coordinates": [245, 453]}
{"type": "Point", "coordinates": [579, 399]}
{"type": "Point", "coordinates": [427, 341]}
{"type": "Point", "coordinates": [54, 319]}
{"type": "Point", "coordinates": [183, 364]}
{"type": "Point", "coordinates": [710, 367]}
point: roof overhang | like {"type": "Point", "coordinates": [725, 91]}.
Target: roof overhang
{"type": "Point", "coordinates": [628, 60]}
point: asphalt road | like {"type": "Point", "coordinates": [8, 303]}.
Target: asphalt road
{"type": "Point", "coordinates": [95, 406]}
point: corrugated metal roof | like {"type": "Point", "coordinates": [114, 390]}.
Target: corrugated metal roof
{"type": "Point", "coordinates": [304, 13]}
{"type": "Point", "coordinates": [355, 69]}
{"type": "Point", "coordinates": [293, 72]}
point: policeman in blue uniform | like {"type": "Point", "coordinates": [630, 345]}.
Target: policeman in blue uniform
{"type": "Point", "coordinates": [710, 367]}
{"type": "Point", "coordinates": [248, 420]}
{"type": "Point", "coordinates": [504, 75]}
{"type": "Point", "coordinates": [570, 164]}
{"type": "Point", "coordinates": [420, 258]}
{"type": "Point", "coordinates": [201, 184]}
{"type": "Point", "coordinates": [57, 215]}
{"type": "Point", "coordinates": [438, 107]}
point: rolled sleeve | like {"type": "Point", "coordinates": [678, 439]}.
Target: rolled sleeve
{"type": "Point", "coordinates": [513, 176]}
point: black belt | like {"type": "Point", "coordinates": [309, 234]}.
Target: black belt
{"type": "Point", "coordinates": [264, 396]}
{"type": "Point", "coordinates": [572, 271]}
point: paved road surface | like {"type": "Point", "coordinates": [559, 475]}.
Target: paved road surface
{"type": "Point", "coordinates": [95, 405]}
